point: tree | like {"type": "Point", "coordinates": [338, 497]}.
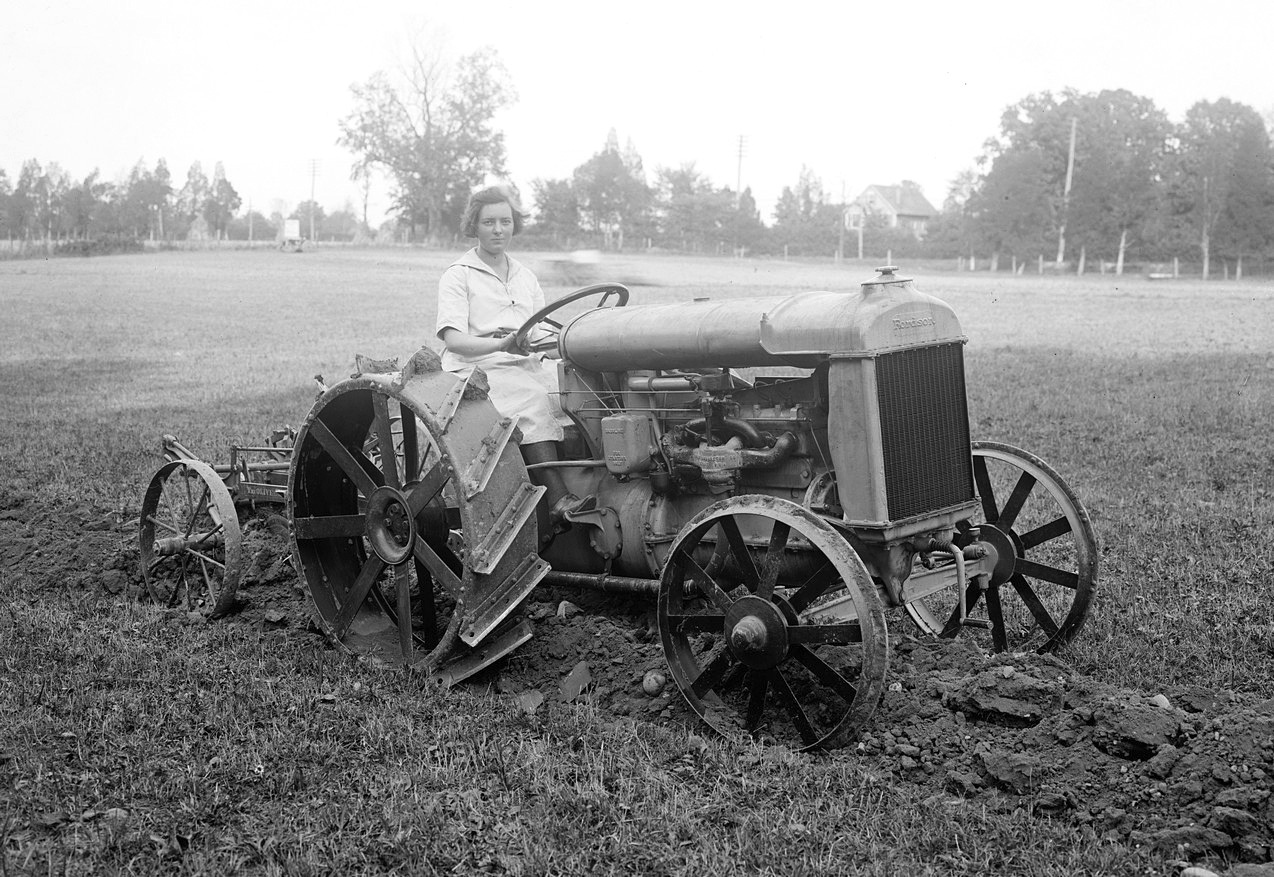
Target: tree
{"type": "Point", "coordinates": [1120, 147]}
{"type": "Point", "coordinates": [1119, 167]}
{"type": "Point", "coordinates": [804, 220]}
{"type": "Point", "coordinates": [6, 193]}
{"type": "Point", "coordinates": [310, 213]}
{"type": "Point", "coordinates": [1012, 210]}
{"type": "Point", "coordinates": [612, 193]}
{"type": "Point", "coordinates": [557, 213]}
{"type": "Point", "coordinates": [1222, 189]}
{"type": "Point", "coordinates": [221, 204]}
{"type": "Point", "coordinates": [432, 132]}
{"type": "Point", "coordinates": [22, 203]}
{"type": "Point", "coordinates": [691, 214]}
{"type": "Point", "coordinates": [192, 198]}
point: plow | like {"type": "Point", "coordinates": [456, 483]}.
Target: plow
{"type": "Point", "coordinates": [782, 477]}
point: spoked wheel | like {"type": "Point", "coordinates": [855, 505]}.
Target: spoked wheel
{"type": "Point", "coordinates": [190, 544]}
{"type": "Point", "coordinates": [747, 629]}
{"type": "Point", "coordinates": [1038, 594]}
{"type": "Point", "coordinates": [385, 481]}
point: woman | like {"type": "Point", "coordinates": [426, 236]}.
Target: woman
{"type": "Point", "coordinates": [483, 298]}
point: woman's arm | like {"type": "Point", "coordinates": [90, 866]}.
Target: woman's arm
{"type": "Point", "coordinates": [474, 345]}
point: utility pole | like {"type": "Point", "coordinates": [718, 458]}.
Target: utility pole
{"type": "Point", "coordinates": [738, 174]}
{"type": "Point", "coordinates": [249, 222]}
{"type": "Point", "coordinates": [314, 172]}
{"type": "Point", "coordinates": [1066, 196]}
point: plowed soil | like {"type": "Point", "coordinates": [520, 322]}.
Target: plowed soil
{"type": "Point", "coordinates": [1189, 770]}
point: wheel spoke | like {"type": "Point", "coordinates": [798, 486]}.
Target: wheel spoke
{"type": "Point", "coordinates": [1052, 574]}
{"type": "Point", "coordinates": [696, 623]}
{"type": "Point", "coordinates": [1016, 500]}
{"type": "Point", "coordinates": [826, 673]}
{"type": "Point", "coordinates": [428, 487]}
{"type": "Point", "coordinates": [428, 609]}
{"type": "Point", "coordinates": [1033, 603]}
{"type": "Point", "coordinates": [1046, 533]}
{"type": "Point", "coordinates": [330, 527]}
{"type": "Point", "coordinates": [985, 491]}
{"type": "Point", "coordinates": [742, 557]}
{"type": "Point", "coordinates": [344, 458]}
{"type": "Point", "coordinates": [437, 567]}
{"type": "Point", "coordinates": [773, 559]}
{"type": "Point", "coordinates": [814, 586]}
{"type": "Point", "coordinates": [411, 443]}
{"type": "Point", "coordinates": [995, 613]}
{"type": "Point", "coordinates": [402, 584]}
{"type": "Point", "coordinates": [167, 526]}
{"type": "Point", "coordinates": [384, 430]}
{"type": "Point", "coordinates": [357, 593]}
{"type": "Point", "coordinates": [758, 684]}
{"type": "Point", "coordinates": [794, 709]}
{"type": "Point", "coordinates": [836, 634]}
{"type": "Point", "coordinates": [205, 558]}
{"type": "Point", "coordinates": [714, 668]}
{"type": "Point", "coordinates": [706, 585]}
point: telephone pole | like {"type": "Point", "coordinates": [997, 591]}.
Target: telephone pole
{"type": "Point", "coordinates": [1066, 195]}
{"type": "Point", "coordinates": [738, 174]}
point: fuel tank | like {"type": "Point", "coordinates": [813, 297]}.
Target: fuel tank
{"type": "Point", "coordinates": [802, 330]}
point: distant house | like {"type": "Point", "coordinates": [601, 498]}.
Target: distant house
{"type": "Point", "coordinates": [904, 206]}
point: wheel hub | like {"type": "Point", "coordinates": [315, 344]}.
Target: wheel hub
{"type": "Point", "coordinates": [757, 632]}
{"type": "Point", "coordinates": [1006, 548]}
{"type": "Point", "coordinates": [390, 528]}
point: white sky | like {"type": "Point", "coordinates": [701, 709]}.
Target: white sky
{"type": "Point", "coordinates": [860, 93]}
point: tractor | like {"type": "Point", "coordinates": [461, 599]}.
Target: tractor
{"type": "Point", "coordinates": [781, 475]}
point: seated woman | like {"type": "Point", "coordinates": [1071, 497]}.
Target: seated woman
{"type": "Point", "coordinates": [483, 298]}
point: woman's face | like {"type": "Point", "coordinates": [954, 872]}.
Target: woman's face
{"type": "Point", "coordinates": [495, 227]}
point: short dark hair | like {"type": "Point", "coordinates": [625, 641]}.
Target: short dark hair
{"type": "Point", "coordinates": [490, 195]}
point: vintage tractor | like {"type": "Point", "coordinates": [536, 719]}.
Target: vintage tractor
{"type": "Point", "coordinates": [779, 473]}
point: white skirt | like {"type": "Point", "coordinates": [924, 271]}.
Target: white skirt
{"type": "Point", "coordinates": [522, 388]}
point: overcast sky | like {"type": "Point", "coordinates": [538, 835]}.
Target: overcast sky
{"type": "Point", "coordinates": [860, 93]}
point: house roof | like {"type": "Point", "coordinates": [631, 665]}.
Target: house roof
{"type": "Point", "coordinates": [905, 200]}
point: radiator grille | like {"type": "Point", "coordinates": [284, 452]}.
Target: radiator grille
{"type": "Point", "coordinates": [924, 426]}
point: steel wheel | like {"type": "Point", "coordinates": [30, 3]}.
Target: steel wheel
{"type": "Point", "coordinates": [190, 545]}
{"type": "Point", "coordinates": [380, 500]}
{"type": "Point", "coordinates": [746, 632]}
{"type": "Point", "coordinates": [1039, 594]}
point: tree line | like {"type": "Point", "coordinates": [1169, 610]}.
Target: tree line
{"type": "Point", "coordinates": [1069, 179]}
{"type": "Point", "coordinates": [46, 205]}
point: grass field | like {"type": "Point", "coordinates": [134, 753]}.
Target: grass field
{"type": "Point", "coordinates": [131, 742]}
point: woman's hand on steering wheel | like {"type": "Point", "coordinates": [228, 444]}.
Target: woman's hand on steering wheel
{"type": "Point", "coordinates": [548, 342]}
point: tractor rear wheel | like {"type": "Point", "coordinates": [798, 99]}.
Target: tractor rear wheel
{"type": "Point", "coordinates": [389, 485]}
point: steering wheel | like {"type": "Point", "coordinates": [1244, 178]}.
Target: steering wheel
{"type": "Point", "coordinates": [554, 328]}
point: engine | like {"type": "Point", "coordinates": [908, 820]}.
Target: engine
{"type": "Point", "coordinates": [851, 404]}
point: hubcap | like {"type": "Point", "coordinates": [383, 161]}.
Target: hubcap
{"type": "Point", "coordinates": [757, 632]}
{"type": "Point", "coordinates": [390, 529]}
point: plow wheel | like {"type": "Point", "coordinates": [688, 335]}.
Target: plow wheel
{"type": "Point", "coordinates": [1038, 594]}
{"type": "Point", "coordinates": [738, 617]}
{"type": "Point", "coordinates": [388, 484]}
{"type": "Point", "coordinates": [190, 544]}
